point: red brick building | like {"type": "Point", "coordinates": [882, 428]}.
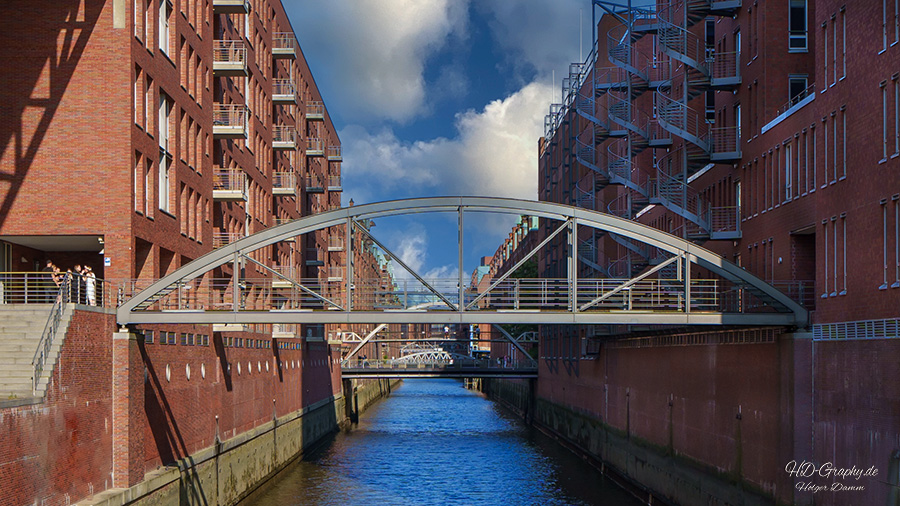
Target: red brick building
{"type": "Point", "coordinates": [137, 136]}
{"type": "Point", "coordinates": [768, 132]}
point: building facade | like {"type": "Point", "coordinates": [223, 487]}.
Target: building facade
{"type": "Point", "coordinates": [766, 131]}
{"type": "Point", "coordinates": [213, 111]}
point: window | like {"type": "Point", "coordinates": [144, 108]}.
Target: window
{"type": "Point", "coordinates": [825, 53]}
{"type": "Point", "coordinates": [884, 242]}
{"type": "Point", "coordinates": [148, 336]}
{"type": "Point", "coordinates": [788, 174]}
{"type": "Point", "coordinates": [834, 235]}
{"type": "Point", "coordinates": [797, 26]}
{"type": "Point", "coordinates": [884, 120]}
{"type": "Point", "coordinates": [896, 199]}
{"type": "Point", "coordinates": [165, 111]}
{"type": "Point", "coordinates": [834, 143]}
{"type": "Point", "coordinates": [138, 96]}
{"type": "Point", "coordinates": [815, 176]}
{"type": "Point", "coordinates": [825, 284]}
{"type": "Point", "coordinates": [139, 182]}
{"type": "Point", "coordinates": [165, 11]}
{"type": "Point", "coordinates": [843, 256]}
{"type": "Point", "coordinates": [825, 154]}
{"type": "Point", "coordinates": [737, 123]}
{"type": "Point", "coordinates": [843, 142]}
{"type": "Point", "coordinates": [896, 115]}
{"type": "Point", "coordinates": [797, 85]}
{"type": "Point", "coordinates": [884, 17]}
{"type": "Point", "coordinates": [844, 41]}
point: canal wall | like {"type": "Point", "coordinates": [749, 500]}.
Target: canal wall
{"type": "Point", "coordinates": [705, 418]}
{"type": "Point", "coordinates": [176, 416]}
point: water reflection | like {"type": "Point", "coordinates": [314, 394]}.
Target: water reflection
{"type": "Point", "coordinates": [433, 442]}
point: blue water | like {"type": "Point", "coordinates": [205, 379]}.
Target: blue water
{"type": "Point", "coordinates": [432, 442]}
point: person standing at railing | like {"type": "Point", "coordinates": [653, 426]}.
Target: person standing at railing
{"type": "Point", "coordinates": [90, 285]}
{"type": "Point", "coordinates": [48, 282]}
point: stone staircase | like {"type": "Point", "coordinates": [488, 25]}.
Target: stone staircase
{"type": "Point", "coordinates": [21, 327]}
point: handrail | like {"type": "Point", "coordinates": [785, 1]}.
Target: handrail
{"type": "Point", "coordinates": [48, 335]}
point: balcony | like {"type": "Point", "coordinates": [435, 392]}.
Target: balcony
{"type": "Point", "coordinates": [288, 271]}
{"type": "Point", "coordinates": [229, 185]}
{"type": "Point", "coordinates": [230, 121]}
{"type": "Point", "coordinates": [334, 184]}
{"type": "Point", "coordinates": [314, 185]}
{"type": "Point", "coordinates": [335, 243]}
{"type": "Point", "coordinates": [315, 147]}
{"type": "Point", "coordinates": [334, 153]}
{"type": "Point", "coordinates": [221, 239]}
{"type": "Point", "coordinates": [231, 6]}
{"type": "Point", "coordinates": [229, 58]}
{"type": "Point", "coordinates": [284, 45]}
{"type": "Point", "coordinates": [315, 110]}
{"type": "Point", "coordinates": [284, 183]}
{"type": "Point", "coordinates": [335, 273]}
{"type": "Point", "coordinates": [315, 257]}
{"type": "Point", "coordinates": [283, 91]}
{"type": "Point", "coordinates": [284, 137]}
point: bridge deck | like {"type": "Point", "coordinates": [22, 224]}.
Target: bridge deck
{"type": "Point", "coordinates": [437, 372]}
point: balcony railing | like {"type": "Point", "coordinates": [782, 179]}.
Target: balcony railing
{"type": "Point", "coordinates": [284, 137]}
{"type": "Point", "coordinates": [223, 238]}
{"type": "Point", "coordinates": [334, 153]}
{"type": "Point", "coordinates": [230, 121]}
{"type": "Point", "coordinates": [231, 6]}
{"type": "Point", "coordinates": [284, 45]}
{"type": "Point", "coordinates": [315, 147]}
{"type": "Point", "coordinates": [229, 58]}
{"type": "Point", "coordinates": [335, 243]}
{"type": "Point", "coordinates": [229, 185]}
{"type": "Point", "coordinates": [335, 273]}
{"type": "Point", "coordinates": [334, 184]}
{"type": "Point", "coordinates": [314, 185]}
{"type": "Point", "coordinates": [283, 91]}
{"type": "Point", "coordinates": [315, 110]}
{"type": "Point", "coordinates": [284, 183]}
{"type": "Point", "coordinates": [287, 271]}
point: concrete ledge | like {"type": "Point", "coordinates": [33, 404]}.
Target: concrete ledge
{"type": "Point", "coordinates": [186, 471]}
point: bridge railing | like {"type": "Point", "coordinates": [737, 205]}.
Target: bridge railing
{"type": "Point", "coordinates": [455, 364]}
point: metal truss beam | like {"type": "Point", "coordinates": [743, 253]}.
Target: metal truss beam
{"type": "Point", "coordinates": [793, 314]}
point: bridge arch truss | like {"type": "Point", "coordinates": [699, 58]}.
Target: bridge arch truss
{"type": "Point", "coordinates": [667, 293]}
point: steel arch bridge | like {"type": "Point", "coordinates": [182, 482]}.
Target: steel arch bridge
{"type": "Point", "coordinates": [668, 293]}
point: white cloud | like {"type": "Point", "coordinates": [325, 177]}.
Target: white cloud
{"type": "Point", "coordinates": [412, 249]}
{"type": "Point", "coordinates": [494, 154]}
{"type": "Point", "coordinates": [373, 52]}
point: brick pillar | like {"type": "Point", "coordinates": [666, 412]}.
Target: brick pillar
{"type": "Point", "coordinates": [127, 409]}
{"type": "Point", "coordinates": [796, 415]}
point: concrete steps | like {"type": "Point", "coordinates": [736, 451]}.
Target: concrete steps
{"type": "Point", "coordinates": [21, 328]}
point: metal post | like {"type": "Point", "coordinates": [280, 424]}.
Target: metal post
{"type": "Point", "coordinates": [235, 282]}
{"type": "Point", "coordinates": [349, 255]}
{"type": "Point", "coordinates": [462, 303]}
{"type": "Point", "coordinates": [573, 266]}
{"type": "Point", "coordinates": [687, 283]}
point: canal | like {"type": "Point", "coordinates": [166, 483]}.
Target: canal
{"type": "Point", "coordinates": [434, 442]}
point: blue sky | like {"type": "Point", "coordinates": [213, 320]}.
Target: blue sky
{"type": "Point", "coordinates": [439, 97]}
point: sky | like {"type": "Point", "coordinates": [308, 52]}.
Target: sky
{"type": "Point", "coordinates": [440, 97]}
